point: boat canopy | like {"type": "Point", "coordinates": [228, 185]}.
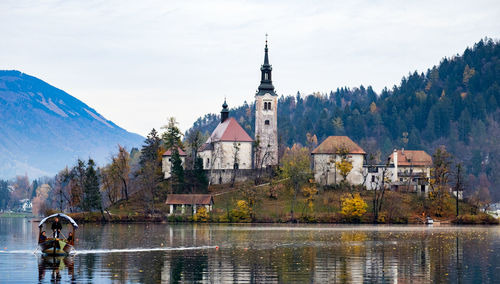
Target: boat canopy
{"type": "Point", "coordinates": [73, 223]}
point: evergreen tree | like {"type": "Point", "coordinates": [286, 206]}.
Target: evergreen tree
{"type": "Point", "coordinates": [92, 195]}
{"type": "Point", "coordinates": [200, 176]}
{"type": "Point", "coordinates": [151, 148]}
{"type": "Point", "coordinates": [177, 172]}
{"type": "Point", "coordinates": [4, 194]}
{"type": "Point", "coordinates": [34, 186]}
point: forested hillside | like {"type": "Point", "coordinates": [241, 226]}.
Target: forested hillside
{"type": "Point", "coordinates": [455, 104]}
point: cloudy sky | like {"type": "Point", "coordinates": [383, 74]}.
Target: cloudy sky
{"type": "Point", "coordinates": [139, 62]}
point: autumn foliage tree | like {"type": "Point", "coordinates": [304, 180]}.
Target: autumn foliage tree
{"type": "Point", "coordinates": [296, 172]}
{"type": "Point", "coordinates": [353, 207]}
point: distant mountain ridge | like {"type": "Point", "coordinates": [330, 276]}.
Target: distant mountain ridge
{"type": "Point", "coordinates": [43, 129]}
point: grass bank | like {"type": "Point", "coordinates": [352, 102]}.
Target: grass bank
{"type": "Point", "coordinates": [326, 207]}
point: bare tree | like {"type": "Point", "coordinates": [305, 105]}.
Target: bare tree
{"type": "Point", "coordinates": [236, 160]}
{"type": "Point", "coordinates": [379, 190]}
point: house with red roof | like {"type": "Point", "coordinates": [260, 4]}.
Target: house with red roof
{"type": "Point", "coordinates": [228, 147]}
{"type": "Point", "coordinates": [166, 162]}
{"type": "Point", "coordinates": [331, 151]}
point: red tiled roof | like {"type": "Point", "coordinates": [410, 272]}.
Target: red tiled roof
{"type": "Point", "coordinates": [169, 153]}
{"type": "Point", "coordinates": [333, 143]}
{"type": "Point", "coordinates": [229, 130]}
{"type": "Point", "coordinates": [199, 199]}
{"type": "Point", "coordinates": [412, 158]}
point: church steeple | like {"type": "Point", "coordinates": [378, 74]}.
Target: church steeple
{"type": "Point", "coordinates": [266, 83]}
{"type": "Point", "coordinates": [224, 113]}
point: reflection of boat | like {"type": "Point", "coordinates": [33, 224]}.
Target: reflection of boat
{"type": "Point", "coordinates": [55, 264]}
{"type": "Point", "coordinates": [57, 245]}
{"type": "Point", "coordinates": [429, 221]}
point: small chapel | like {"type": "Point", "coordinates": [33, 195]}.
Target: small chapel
{"type": "Point", "coordinates": [230, 152]}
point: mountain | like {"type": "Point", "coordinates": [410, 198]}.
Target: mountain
{"type": "Point", "coordinates": [43, 129]}
{"type": "Point", "coordinates": [455, 104]}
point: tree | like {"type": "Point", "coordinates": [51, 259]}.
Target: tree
{"type": "Point", "coordinates": [309, 191]}
{"type": "Point", "coordinates": [458, 184]}
{"type": "Point", "coordinates": [77, 184]}
{"type": "Point", "coordinates": [121, 169]}
{"type": "Point", "coordinates": [195, 140]}
{"type": "Point", "coordinates": [92, 195]}
{"type": "Point", "coordinates": [172, 140]}
{"type": "Point", "coordinates": [151, 148]}
{"type": "Point", "coordinates": [379, 190]}
{"type": "Point", "coordinates": [296, 170]}
{"type": "Point", "coordinates": [262, 155]}
{"type": "Point", "coordinates": [353, 207]}
{"type": "Point", "coordinates": [177, 178]}
{"type": "Point", "coordinates": [440, 175]}
{"type": "Point", "coordinates": [236, 161]}
{"type": "Point", "coordinates": [344, 165]}
{"type": "Point", "coordinates": [150, 173]}
{"type": "Point", "coordinates": [201, 180]}
{"type": "Point", "coordinates": [4, 194]}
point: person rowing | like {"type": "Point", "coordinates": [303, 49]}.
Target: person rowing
{"type": "Point", "coordinates": [56, 227]}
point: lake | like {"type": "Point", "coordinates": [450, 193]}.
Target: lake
{"type": "Point", "coordinates": [217, 253]}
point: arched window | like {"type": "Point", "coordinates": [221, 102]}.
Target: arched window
{"type": "Point", "coordinates": [265, 105]}
{"type": "Point", "coordinates": [266, 76]}
{"type": "Point", "coordinates": [266, 122]}
{"type": "Point", "coordinates": [236, 166]}
{"type": "Point", "coordinates": [269, 105]}
{"type": "Point", "coordinates": [208, 163]}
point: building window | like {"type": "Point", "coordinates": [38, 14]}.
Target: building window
{"type": "Point", "coordinates": [269, 105]}
{"type": "Point", "coordinates": [266, 122]}
{"type": "Point", "coordinates": [266, 76]}
{"type": "Point", "coordinates": [372, 170]}
{"type": "Point", "coordinates": [208, 163]}
{"type": "Point", "coordinates": [236, 166]}
{"type": "Point", "coordinates": [373, 178]}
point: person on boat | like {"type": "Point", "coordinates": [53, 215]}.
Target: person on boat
{"type": "Point", "coordinates": [43, 237]}
{"type": "Point", "coordinates": [56, 227]}
{"type": "Point", "coordinates": [70, 237]}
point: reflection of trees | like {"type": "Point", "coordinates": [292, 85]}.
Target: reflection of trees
{"type": "Point", "coordinates": [254, 254]}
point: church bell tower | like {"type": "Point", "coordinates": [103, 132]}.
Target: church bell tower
{"type": "Point", "coordinates": [266, 118]}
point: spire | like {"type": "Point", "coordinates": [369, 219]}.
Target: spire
{"type": "Point", "coordinates": [266, 57]}
{"type": "Point", "coordinates": [266, 83]}
{"type": "Point", "coordinates": [224, 113]}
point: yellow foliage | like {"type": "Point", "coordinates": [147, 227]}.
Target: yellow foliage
{"type": "Point", "coordinates": [201, 215]}
{"type": "Point", "coordinates": [373, 107]}
{"type": "Point", "coordinates": [353, 206]}
{"type": "Point", "coordinates": [468, 73]}
{"type": "Point", "coordinates": [344, 166]}
{"type": "Point", "coordinates": [310, 192]}
{"type": "Point", "coordinates": [242, 212]}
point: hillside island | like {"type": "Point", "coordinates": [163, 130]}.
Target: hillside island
{"type": "Point", "coordinates": [418, 153]}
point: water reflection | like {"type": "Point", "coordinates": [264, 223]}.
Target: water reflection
{"type": "Point", "coordinates": [161, 253]}
{"type": "Point", "coordinates": [51, 268]}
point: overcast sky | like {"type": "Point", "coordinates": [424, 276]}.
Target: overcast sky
{"type": "Point", "coordinates": [139, 62]}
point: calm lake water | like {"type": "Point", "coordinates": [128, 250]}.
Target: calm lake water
{"type": "Point", "coordinates": [162, 253]}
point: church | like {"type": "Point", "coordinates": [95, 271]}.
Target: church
{"type": "Point", "coordinates": [230, 153]}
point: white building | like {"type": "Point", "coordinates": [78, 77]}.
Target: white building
{"type": "Point", "coordinates": [228, 147]}
{"type": "Point", "coordinates": [166, 162]}
{"type": "Point", "coordinates": [328, 153]}
{"type": "Point", "coordinates": [407, 170]}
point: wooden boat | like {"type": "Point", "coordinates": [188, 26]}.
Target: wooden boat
{"type": "Point", "coordinates": [57, 246]}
